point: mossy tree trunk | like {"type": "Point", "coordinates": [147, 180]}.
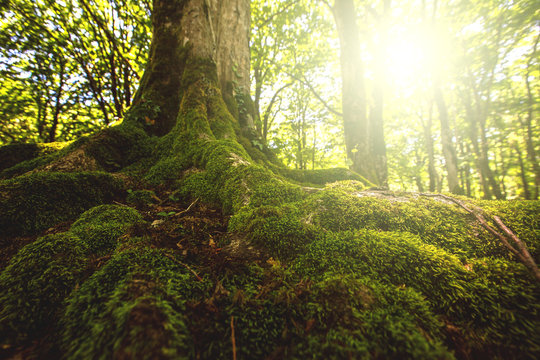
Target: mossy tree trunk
{"type": "Point", "coordinates": [186, 32]}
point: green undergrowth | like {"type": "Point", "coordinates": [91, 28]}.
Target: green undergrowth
{"type": "Point", "coordinates": [37, 201]}
{"type": "Point", "coordinates": [119, 146]}
{"type": "Point", "coordinates": [42, 274]}
{"type": "Point", "coordinates": [13, 154]}
{"type": "Point", "coordinates": [22, 158]}
{"type": "Point", "coordinates": [521, 216]}
{"type": "Point", "coordinates": [323, 176]}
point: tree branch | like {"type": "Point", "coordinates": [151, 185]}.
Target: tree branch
{"type": "Point", "coordinates": [316, 94]}
{"type": "Point", "coordinates": [522, 253]}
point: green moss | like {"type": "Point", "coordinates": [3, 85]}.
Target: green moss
{"type": "Point", "coordinates": [341, 207]}
{"type": "Point", "coordinates": [11, 155]}
{"type": "Point", "coordinates": [119, 146]}
{"type": "Point", "coordinates": [280, 229]}
{"type": "Point", "coordinates": [521, 216]}
{"type": "Point", "coordinates": [35, 202]}
{"type": "Point", "coordinates": [360, 318]}
{"type": "Point", "coordinates": [324, 176]}
{"type": "Point", "coordinates": [36, 282]}
{"type": "Point", "coordinates": [141, 198]}
{"type": "Point", "coordinates": [101, 227]}
{"type": "Point", "coordinates": [483, 301]}
{"type": "Point", "coordinates": [133, 306]}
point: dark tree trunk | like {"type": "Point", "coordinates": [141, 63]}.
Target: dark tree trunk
{"type": "Point", "coordinates": [190, 31]}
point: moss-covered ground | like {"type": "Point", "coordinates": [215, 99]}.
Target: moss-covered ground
{"type": "Point", "coordinates": [195, 245]}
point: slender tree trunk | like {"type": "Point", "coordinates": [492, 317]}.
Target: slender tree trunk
{"type": "Point", "coordinates": [428, 138]}
{"type": "Point", "coordinates": [58, 103]}
{"type": "Point", "coordinates": [531, 151]}
{"type": "Point", "coordinates": [449, 150]}
{"type": "Point", "coordinates": [376, 121]}
{"type": "Point", "coordinates": [354, 102]}
{"type": "Point", "coordinates": [484, 160]}
{"type": "Point", "coordinates": [522, 173]}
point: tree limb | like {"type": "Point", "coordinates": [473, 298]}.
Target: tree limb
{"type": "Point", "coordinates": [522, 253]}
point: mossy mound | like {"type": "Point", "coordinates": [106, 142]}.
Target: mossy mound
{"type": "Point", "coordinates": [116, 147]}
{"type": "Point", "coordinates": [100, 227]}
{"type": "Point", "coordinates": [13, 154]}
{"type": "Point", "coordinates": [132, 307]}
{"type": "Point", "coordinates": [521, 216]}
{"type": "Point", "coordinates": [361, 318]}
{"type": "Point", "coordinates": [323, 176]}
{"type": "Point", "coordinates": [141, 198]}
{"type": "Point", "coordinates": [36, 282]}
{"type": "Point", "coordinates": [491, 300]}
{"type": "Point", "coordinates": [42, 155]}
{"type": "Point", "coordinates": [35, 202]}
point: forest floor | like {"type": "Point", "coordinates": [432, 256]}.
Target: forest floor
{"type": "Point", "coordinates": [195, 234]}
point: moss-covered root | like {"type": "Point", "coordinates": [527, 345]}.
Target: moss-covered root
{"type": "Point", "coordinates": [36, 282]}
{"type": "Point", "coordinates": [100, 227]}
{"type": "Point", "coordinates": [32, 203]}
{"type": "Point", "coordinates": [132, 308]}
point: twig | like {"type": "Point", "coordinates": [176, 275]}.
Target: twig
{"type": "Point", "coordinates": [119, 203]}
{"type": "Point", "coordinates": [527, 258]}
{"type": "Point", "coordinates": [233, 339]}
{"type": "Point", "coordinates": [522, 253]}
{"type": "Point", "coordinates": [185, 265]}
{"type": "Point", "coordinates": [189, 207]}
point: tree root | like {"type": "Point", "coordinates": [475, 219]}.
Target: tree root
{"type": "Point", "coordinates": [522, 253]}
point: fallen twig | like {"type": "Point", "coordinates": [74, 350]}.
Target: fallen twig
{"type": "Point", "coordinates": [522, 253]}
{"type": "Point", "coordinates": [189, 208]}
{"type": "Point", "coordinates": [233, 339]}
{"type": "Point", "coordinates": [185, 265]}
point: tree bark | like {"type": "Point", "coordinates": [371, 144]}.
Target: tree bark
{"type": "Point", "coordinates": [449, 151]}
{"type": "Point", "coordinates": [354, 103]}
{"type": "Point", "coordinates": [183, 32]}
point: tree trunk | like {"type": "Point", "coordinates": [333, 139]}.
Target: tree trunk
{"type": "Point", "coordinates": [185, 32]}
{"type": "Point", "coordinates": [531, 151]}
{"type": "Point", "coordinates": [57, 104]}
{"type": "Point", "coordinates": [449, 151]}
{"type": "Point", "coordinates": [355, 121]}
{"type": "Point", "coordinates": [428, 138]}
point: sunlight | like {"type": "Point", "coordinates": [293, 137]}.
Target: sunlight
{"type": "Point", "coordinates": [414, 56]}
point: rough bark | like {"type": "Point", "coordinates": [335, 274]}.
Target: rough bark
{"type": "Point", "coordinates": [196, 29]}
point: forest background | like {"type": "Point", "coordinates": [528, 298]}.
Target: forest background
{"type": "Point", "coordinates": [460, 73]}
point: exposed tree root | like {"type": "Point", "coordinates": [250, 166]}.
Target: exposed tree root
{"type": "Point", "coordinates": [522, 253]}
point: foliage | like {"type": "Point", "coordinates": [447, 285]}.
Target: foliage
{"type": "Point", "coordinates": [69, 68]}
